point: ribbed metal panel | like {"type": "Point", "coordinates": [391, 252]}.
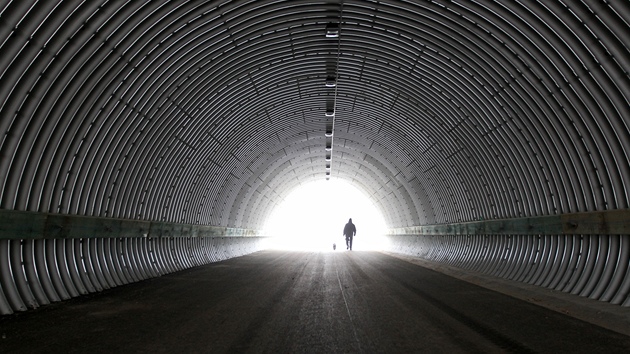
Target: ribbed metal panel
{"type": "Point", "coordinates": [594, 266]}
{"type": "Point", "coordinates": [174, 111]}
{"type": "Point", "coordinates": [17, 293]}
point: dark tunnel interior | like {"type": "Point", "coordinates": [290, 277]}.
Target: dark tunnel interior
{"type": "Point", "coordinates": [210, 113]}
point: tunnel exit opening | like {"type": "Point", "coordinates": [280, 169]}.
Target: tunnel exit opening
{"type": "Point", "coordinates": [312, 218]}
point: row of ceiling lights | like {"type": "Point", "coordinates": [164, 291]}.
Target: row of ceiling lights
{"type": "Point", "coordinates": [332, 31]}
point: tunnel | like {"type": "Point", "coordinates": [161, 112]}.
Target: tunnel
{"type": "Point", "coordinates": [144, 138]}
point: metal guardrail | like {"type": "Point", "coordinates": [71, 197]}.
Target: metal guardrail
{"type": "Point", "coordinates": [32, 225]}
{"type": "Point", "coordinates": [610, 222]}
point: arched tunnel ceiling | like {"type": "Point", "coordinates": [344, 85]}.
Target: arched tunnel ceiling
{"type": "Point", "coordinates": [210, 112]}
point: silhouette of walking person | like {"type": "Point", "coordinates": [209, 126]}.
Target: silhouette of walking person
{"type": "Point", "coordinates": [349, 231]}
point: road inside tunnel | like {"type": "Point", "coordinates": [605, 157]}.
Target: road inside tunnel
{"type": "Point", "coordinates": [292, 302]}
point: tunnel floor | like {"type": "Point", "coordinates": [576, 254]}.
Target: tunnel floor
{"type": "Point", "coordinates": [303, 302]}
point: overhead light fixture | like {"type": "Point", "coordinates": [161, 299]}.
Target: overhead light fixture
{"type": "Point", "coordinates": [332, 30]}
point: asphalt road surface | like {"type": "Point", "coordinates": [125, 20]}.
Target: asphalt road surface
{"type": "Point", "coordinates": [303, 302]}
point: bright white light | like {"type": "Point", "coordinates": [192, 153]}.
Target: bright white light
{"type": "Point", "coordinates": [313, 216]}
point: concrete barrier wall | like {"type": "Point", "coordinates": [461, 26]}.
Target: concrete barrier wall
{"type": "Point", "coordinates": [38, 267]}
{"type": "Point", "coordinates": [594, 266]}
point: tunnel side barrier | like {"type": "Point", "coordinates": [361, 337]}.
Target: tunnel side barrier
{"type": "Point", "coordinates": [585, 254]}
{"type": "Point", "coordinates": [47, 258]}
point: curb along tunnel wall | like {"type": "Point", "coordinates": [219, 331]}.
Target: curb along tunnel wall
{"type": "Point", "coordinates": [594, 266]}
{"type": "Point", "coordinates": [96, 254]}
{"type": "Point", "coordinates": [585, 254]}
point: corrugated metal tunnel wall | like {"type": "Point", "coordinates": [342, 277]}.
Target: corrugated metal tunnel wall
{"type": "Point", "coordinates": [191, 114]}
